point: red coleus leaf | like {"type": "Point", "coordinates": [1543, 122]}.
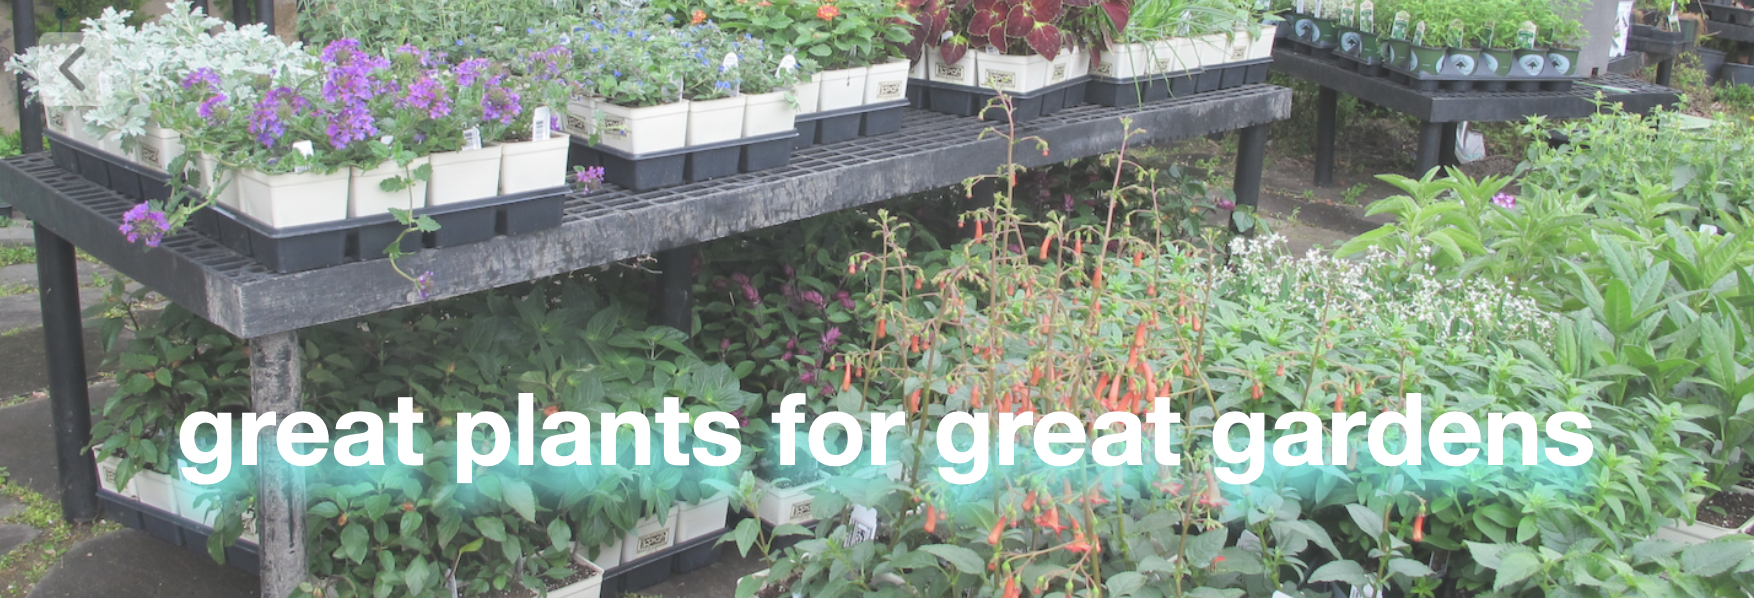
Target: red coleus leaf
{"type": "Point", "coordinates": [989, 6]}
{"type": "Point", "coordinates": [1046, 40]}
{"type": "Point", "coordinates": [1118, 13]}
{"type": "Point", "coordinates": [914, 45]}
{"type": "Point", "coordinates": [978, 41]}
{"type": "Point", "coordinates": [1046, 11]}
{"type": "Point", "coordinates": [953, 50]}
{"type": "Point", "coordinates": [937, 22]}
{"type": "Point", "coordinates": [1082, 3]}
{"type": "Point", "coordinates": [986, 23]}
{"type": "Point", "coordinates": [1018, 22]}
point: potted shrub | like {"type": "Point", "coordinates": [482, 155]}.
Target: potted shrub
{"type": "Point", "coordinates": [1462, 57]}
{"type": "Point", "coordinates": [1566, 38]}
{"type": "Point", "coordinates": [1425, 59]}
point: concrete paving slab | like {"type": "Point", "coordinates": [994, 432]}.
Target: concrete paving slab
{"type": "Point", "coordinates": [23, 368]}
{"type": "Point", "coordinates": [24, 310]}
{"type": "Point", "coordinates": [17, 235]}
{"type": "Point", "coordinates": [26, 274]}
{"type": "Point", "coordinates": [132, 563]}
{"type": "Point", "coordinates": [14, 535]}
{"type": "Point", "coordinates": [28, 452]}
{"type": "Point", "coordinates": [9, 507]}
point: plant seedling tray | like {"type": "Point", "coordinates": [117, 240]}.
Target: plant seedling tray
{"type": "Point", "coordinates": [964, 100]}
{"type": "Point", "coordinates": [639, 574]}
{"type": "Point", "coordinates": [1126, 93]}
{"type": "Point", "coordinates": [835, 126]}
{"type": "Point", "coordinates": [109, 170]}
{"type": "Point", "coordinates": [1650, 40]}
{"type": "Point", "coordinates": [652, 170]}
{"type": "Point", "coordinates": [1232, 75]}
{"type": "Point", "coordinates": [308, 247]}
{"type": "Point", "coordinates": [175, 530]}
{"type": "Point", "coordinates": [1548, 80]}
{"type": "Point", "coordinates": [1723, 13]}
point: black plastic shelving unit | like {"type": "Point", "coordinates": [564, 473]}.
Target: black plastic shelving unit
{"type": "Point", "coordinates": [248, 300]}
{"type": "Point", "coordinates": [1441, 111]}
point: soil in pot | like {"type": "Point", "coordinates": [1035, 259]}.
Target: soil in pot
{"type": "Point", "coordinates": [579, 573]}
{"type": "Point", "coordinates": [1727, 509]}
{"type": "Point", "coordinates": [1747, 476]}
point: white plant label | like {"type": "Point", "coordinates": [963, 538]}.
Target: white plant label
{"type": "Point", "coordinates": [1399, 29]}
{"type": "Point", "coordinates": [1419, 34]}
{"type": "Point", "coordinates": [1348, 14]}
{"type": "Point", "coordinates": [1300, 8]}
{"type": "Point", "coordinates": [541, 124]}
{"type": "Point", "coordinates": [471, 139]}
{"type": "Point", "coordinates": [864, 525]}
{"type": "Point", "coordinates": [1367, 17]}
{"type": "Point", "coordinates": [1525, 36]}
{"type": "Point", "coordinates": [730, 62]}
{"type": "Point", "coordinates": [305, 148]}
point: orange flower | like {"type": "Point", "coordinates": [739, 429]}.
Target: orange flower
{"type": "Point", "coordinates": [764, 3]}
{"type": "Point", "coordinates": [698, 17]}
{"type": "Point", "coordinates": [827, 12]}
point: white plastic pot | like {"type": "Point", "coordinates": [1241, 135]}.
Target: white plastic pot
{"type": "Point", "coordinates": [1060, 68]}
{"type": "Point", "coordinates": [293, 199]}
{"type": "Point", "coordinates": [112, 143]}
{"type": "Point", "coordinates": [918, 69]}
{"type": "Point", "coordinates": [531, 165]}
{"type": "Point", "coordinates": [155, 490]}
{"type": "Point", "coordinates": [589, 587]}
{"type": "Point", "coordinates": [464, 175]}
{"type": "Point", "coordinates": [608, 555]}
{"type": "Point", "coordinates": [1214, 49]}
{"type": "Point", "coordinates": [106, 478]}
{"type": "Point", "coordinates": [716, 121]}
{"type": "Point", "coordinates": [649, 536]}
{"type": "Point", "coordinates": [960, 72]}
{"type": "Point", "coordinates": [69, 121]}
{"type": "Point", "coordinates": [643, 130]}
{"type": "Point", "coordinates": [159, 147]}
{"type": "Point", "coordinates": [844, 88]}
{"type": "Point", "coordinates": [694, 521]}
{"type": "Point", "coordinates": [1261, 42]}
{"type": "Point", "coordinates": [1125, 61]}
{"type": "Point", "coordinates": [368, 197]}
{"type": "Point", "coordinates": [809, 94]}
{"type": "Point", "coordinates": [1700, 532]}
{"type": "Point", "coordinates": [187, 493]}
{"type": "Point", "coordinates": [769, 113]}
{"type": "Point", "coordinates": [228, 194]}
{"type": "Point", "coordinates": [1080, 63]}
{"type": "Point", "coordinates": [1012, 74]}
{"type": "Point", "coordinates": [780, 506]}
{"type": "Point", "coordinates": [580, 116]}
{"type": "Point", "coordinates": [886, 82]}
{"type": "Point", "coordinates": [1175, 55]}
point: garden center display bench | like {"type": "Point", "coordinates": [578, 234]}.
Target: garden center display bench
{"type": "Point", "coordinates": [237, 294]}
{"type": "Point", "coordinates": [1441, 111]}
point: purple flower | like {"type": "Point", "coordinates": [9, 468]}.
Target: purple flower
{"type": "Point", "coordinates": [589, 179]}
{"type": "Point", "coordinates": [1226, 204]}
{"type": "Point", "coordinates": [144, 222]}
{"type": "Point", "coordinates": [725, 345]}
{"type": "Point", "coordinates": [268, 121]}
{"type": "Point", "coordinates": [500, 103]}
{"type": "Point", "coordinates": [742, 422]}
{"type": "Point", "coordinates": [424, 283]}
{"type": "Point", "coordinates": [813, 298]}
{"type": "Point", "coordinates": [787, 268]}
{"type": "Point", "coordinates": [353, 123]}
{"type": "Point", "coordinates": [469, 70]}
{"type": "Point", "coordinates": [213, 103]}
{"type": "Point", "coordinates": [846, 300]}
{"type": "Point", "coordinates": [202, 76]}
{"type": "Point", "coordinates": [427, 94]}
{"type": "Point", "coordinates": [807, 376]}
{"type": "Point", "coordinates": [349, 73]}
{"type": "Point", "coordinates": [1504, 200]}
{"type": "Point", "coordinates": [831, 337]}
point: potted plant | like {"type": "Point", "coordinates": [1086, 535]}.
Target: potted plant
{"type": "Point", "coordinates": [1498, 58]}
{"type": "Point", "coordinates": [1565, 37]}
{"type": "Point", "coordinates": [771, 81]}
{"type": "Point", "coordinates": [634, 73]}
{"type": "Point", "coordinates": [1531, 60]}
{"type": "Point", "coordinates": [1398, 49]}
{"type": "Point", "coordinates": [1724, 513]}
{"type": "Point", "coordinates": [1425, 59]}
{"type": "Point", "coordinates": [528, 104]}
{"type": "Point", "coordinates": [1022, 39]}
{"type": "Point", "coordinates": [1462, 57]}
{"type": "Point", "coordinates": [713, 80]}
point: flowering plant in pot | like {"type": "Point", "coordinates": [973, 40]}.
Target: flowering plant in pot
{"type": "Point", "coordinates": [771, 77]}
{"type": "Point", "coordinates": [712, 75]}
{"type": "Point", "coordinates": [631, 74]}
{"type": "Point", "coordinates": [530, 100]}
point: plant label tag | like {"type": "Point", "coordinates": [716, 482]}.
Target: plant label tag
{"type": "Point", "coordinates": [541, 124]}
{"type": "Point", "coordinates": [1491, 36]}
{"type": "Point", "coordinates": [864, 525]}
{"type": "Point", "coordinates": [471, 139]}
{"type": "Point", "coordinates": [1367, 17]}
{"type": "Point", "coordinates": [387, 140]}
{"type": "Point", "coordinates": [1419, 34]}
{"type": "Point", "coordinates": [1364, 592]}
{"type": "Point", "coordinates": [1187, 20]}
{"type": "Point", "coordinates": [1457, 32]}
{"type": "Point", "coordinates": [1300, 8]}
{"type": "Point", "coordinates": [1321, 9]}
{"type": "Point", "coordinates": [730, 62]}
{"type": "Point", "coordinates": [1707, 229]}
{"type": "Point", "coordinates": [1525, 35]}
{"type": "Point", "coordinates": [1399, 29]}
{"type": "Point", "coordinates": [991, 49]}
{"type": "Point", "coordinates": [787, 63]}
{"type": "Point", "coordinates": [305, 149]}
{"type": "Point", "coordinates": [1674, 16]}
{"type": "Point", "coordinates": [1263, 5]}
{"type": "Point", "coordinates": [1348, 14]}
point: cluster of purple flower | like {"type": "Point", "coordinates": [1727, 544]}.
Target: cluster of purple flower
{"type": "Point", "coordinates": [350, 81]}
{"type": "Point", "coordinates": [268, 122]}
{"type": "Point", "coordinates": [143, 222]}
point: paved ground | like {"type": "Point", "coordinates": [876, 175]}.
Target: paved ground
{"type": "Point", "coordinates": [130, 563]}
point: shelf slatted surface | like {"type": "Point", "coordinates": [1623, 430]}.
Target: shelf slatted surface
{"type": "Point", "coordinates": [930, 151]}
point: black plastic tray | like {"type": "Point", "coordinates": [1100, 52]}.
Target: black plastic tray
{"type": "Point", "coordinates": [1547, 81]}
{"type": "Point", "coordinates": [1729, 14]}
{"type": "Point", "coordinates": [299, 248]}
{"type": "Point", "coordinates": [690, 164]}
{"type": "Point", "coordinates": [652, 570]}
{"type": "Point", "coordinates": [835, 126]}
{"type": "Point", "coordinates": [964, 100]}
{"type": "Point", "coordinates": [175, 530]}
{"type": "Point", "coordinates": [109, 170]}
{"type": "Point", "coordinates": [1126, 93]}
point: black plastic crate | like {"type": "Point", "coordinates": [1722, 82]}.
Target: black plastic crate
{"type": "Point", "coordinates": [697, 557]}
{"type": "Point", "coordinates": [176, 531]}
{"type": "Point", "coordinates": [647, 572]}
{"type": "Point", "coordinates": [964, 100]}
{"type": "Point", "coordinates": [641, 172]}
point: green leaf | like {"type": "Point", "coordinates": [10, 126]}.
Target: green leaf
{"type": "Point", "coordinates": [1516, 567]}
{"type": "Point", "coordinates": [417, 575]}
{"type": "Point", "coordinates": [517, 494]}
{"type": "Point", "coordinates": [964, 559]}
{"type": "Point", "coordinates": [559, 532]}
{"type": "Point", "coordinates": [1343, 571]}
{"type": "Point", "coordinates": [354, 540]}
{"type": "Point", "coordinates": [491, 527]}
{"type": "Point", "coordinates": [1409, 568]}
{"type": "Point", "coordinates": [1714, 558]}
{"type": "Point", "coordinates": [1125, 583]}
{"type": "Point", "coordinates": [1367, 520]}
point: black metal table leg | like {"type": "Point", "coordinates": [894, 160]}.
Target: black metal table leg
{"type": "Point", "coordinates": [70, 406]}
{"type": "Point", "coordinates": [1327, 115]}
{"type": "Point", "coordinates": [1430, 148]}
{"type": "Point", "coordinates": [30, 117]}
{"type": "Point", "coordinates": [676, 289]}
{"type": "Point", "coordinates": [1446, 153]}
{"type": "Point", "coordinates": [240, 12]}
{"type": "Point", "coordinates": [265, 14]}
{"type": "Point", "coordinates": [1251, 153]}
{"type": "Point", "coordinates": [275, 387]}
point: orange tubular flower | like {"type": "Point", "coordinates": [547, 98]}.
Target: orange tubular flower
{"type": "Point", "coordinates": [998, 534]}
{"type": "Point", "coordinates": [931, 519]}
{"type": "Point", "coordinates": [827, 12]}
{"type": "Point", "coordinates": [698, 17]}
